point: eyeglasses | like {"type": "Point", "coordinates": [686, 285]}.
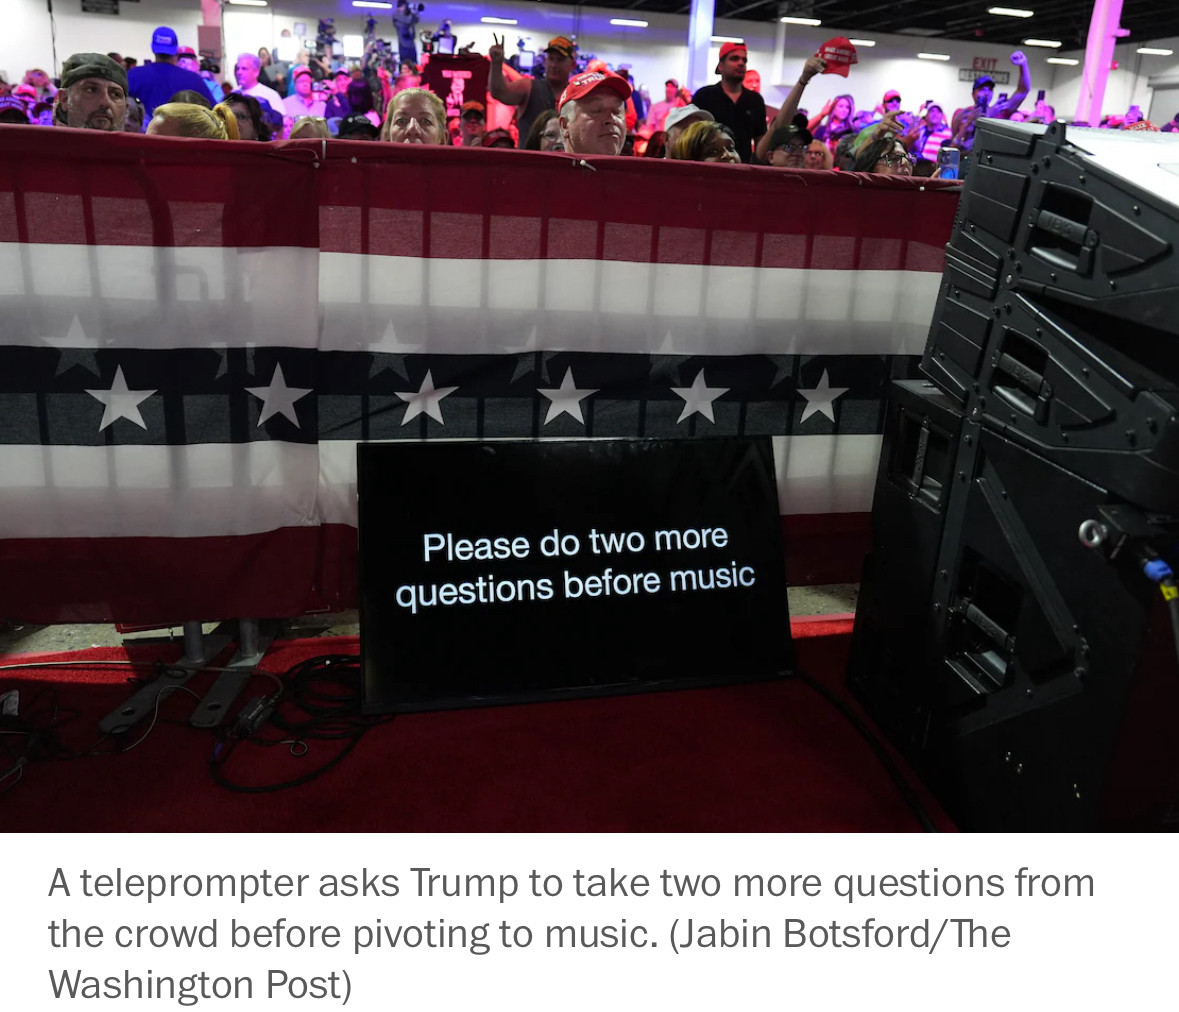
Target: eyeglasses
{"type": "Point", "coordinates": [792, 149]}
{"type": "Point", "coordinates": [897, 158]}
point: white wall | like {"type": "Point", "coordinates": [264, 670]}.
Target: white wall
{"type": "Point", "coordinates": [659, 51]}
{"type": "Point", "coordinates": [1127, 85]}
{"type": "Point", "coordinates": [26, 40]}
{"type": "Point", "coordinates": [655, 53]}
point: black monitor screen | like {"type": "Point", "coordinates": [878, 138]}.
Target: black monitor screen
{"type": "Point", "coordinates": [496, 572]}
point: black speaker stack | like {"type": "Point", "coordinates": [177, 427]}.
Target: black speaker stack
{"type": "Point", "coordinates": [1011, 638]}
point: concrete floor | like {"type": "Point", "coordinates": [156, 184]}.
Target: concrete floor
{"type": "Point", "coordinates": [23, 638]}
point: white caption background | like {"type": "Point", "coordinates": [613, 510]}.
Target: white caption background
{"type": "Point", "coordinates": [1112, 948]}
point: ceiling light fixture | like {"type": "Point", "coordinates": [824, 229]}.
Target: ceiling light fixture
{"type": "Point", "coordinates": [499, 21]}
{"type": "Point", "coordinates": [378, 4]}
{"type": "Point", "coordinates": [933, 56]}
{"type": "Point", "coordinates": [811, 22]}
{"type": "Point", "coordinates": [248, 3]}
{"type": "Point", "coordinates": [1147, 51]}
{"type": "Point", "coordinates": [1044, 43]}
{"type": "Point", "coordinates": [1009, 12]}
{"type": "Point", "coordinates": [726, 38]}
{"type": "Point", "coordinates": [627, 23]}
{"type": "Point", "coordinates": [862, 42]}
{"type": "Point", "coordinates": [1062, 61]}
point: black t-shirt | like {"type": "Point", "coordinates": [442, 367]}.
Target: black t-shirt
{"type": "Point", "coordinates": [746, 117]}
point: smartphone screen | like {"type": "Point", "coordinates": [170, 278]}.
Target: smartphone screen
{"type": "Point", "coordinates": [947, 160]}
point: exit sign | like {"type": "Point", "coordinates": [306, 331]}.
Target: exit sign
{"type": "Point", "coordinates": [971, 74]}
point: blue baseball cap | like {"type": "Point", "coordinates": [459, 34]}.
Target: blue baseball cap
{"type": "Point", "coordinates": [163, 40]}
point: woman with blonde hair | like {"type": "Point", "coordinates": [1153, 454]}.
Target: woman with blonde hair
{"type": "Point", "coordinates": [818, 156]}
{"type": "Point", "coordinates": [309, 128]}
{"type": "Point", "coordinates": [179, 119]}
{"type": "Point", "coordinates": [707, 141]}
{"type": "Point", "coordinates": [415, 116]}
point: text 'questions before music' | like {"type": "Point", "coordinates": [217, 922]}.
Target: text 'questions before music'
{"type": "Point", "coordinates": [592, 578]}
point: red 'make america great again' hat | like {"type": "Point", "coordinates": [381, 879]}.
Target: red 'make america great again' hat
{"type": "Point", "coordinates": [589, 81]}
{"type": "Point", "coordinates": [839, 54]}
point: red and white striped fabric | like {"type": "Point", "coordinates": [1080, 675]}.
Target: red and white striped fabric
{"type": "Point", "coordinates": [194, 336]}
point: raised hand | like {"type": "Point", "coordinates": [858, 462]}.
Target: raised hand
{"type": "Point", "coordinates": [814, 65]}
{"type": "Point", "coordinates": [1019, 59]}
{"type": "Point", "coordinates": [496, 52]}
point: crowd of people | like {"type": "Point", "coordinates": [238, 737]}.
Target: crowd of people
{"type": "Point", "coordinates": [595, 110]}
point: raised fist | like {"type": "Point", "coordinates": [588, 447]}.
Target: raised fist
{"type": "Point", "coordinates": [1019, 59]}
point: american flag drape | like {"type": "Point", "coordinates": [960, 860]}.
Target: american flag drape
{"type": "Point", "coordinates": [194, 335]}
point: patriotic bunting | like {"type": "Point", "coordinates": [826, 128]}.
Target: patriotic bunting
{"type": "Point", "coordinates": [195, 335]}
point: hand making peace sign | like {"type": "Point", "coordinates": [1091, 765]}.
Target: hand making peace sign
{"type": "Point", "coordinates": [496, 52]}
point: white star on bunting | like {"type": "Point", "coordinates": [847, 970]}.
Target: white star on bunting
{"type": "Point", "coordinates": [121, 402]}
{"type": "Point", "coordinates": [426, 399]}
{"type": "Point", "coordinates": [75, 336]}
{"type": "Point", "coordinates": [821, 398]}
{"type": "Point", "coordinates": [698, 398]}
{"type": "Point", "coordinates": [278, 398]}
{"type": "Point", "coordinates": [75, 350]}
{"type": "Point", "coordinates": [566, 399]}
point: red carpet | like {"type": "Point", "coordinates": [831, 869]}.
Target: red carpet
{"type": "Point", "coordinates": [763, 757]}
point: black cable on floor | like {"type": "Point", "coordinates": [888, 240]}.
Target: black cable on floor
{"type": "Point", "coordinates": [890, 767]}
{"type": "Point", "coordinates": [319, 701]}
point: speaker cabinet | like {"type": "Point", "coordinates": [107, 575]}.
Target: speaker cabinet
{"type": "Point", "coordinates": [890, 656]}
{"type": "Point", "coordinates": [1056, 320]}
{"type": "Point", "coordinates": [1017, 668]}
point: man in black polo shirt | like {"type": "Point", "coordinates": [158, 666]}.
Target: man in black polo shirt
{"type": "Point", "coordinates": [741, 110]}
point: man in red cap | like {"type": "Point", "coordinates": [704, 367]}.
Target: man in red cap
{"type": "Point", "coordinates": [305, 101]}
{"type": "Point", "coordinates": [532, 95]}
{"type": "Point", "coordinates": [731, 103]}
{"type": "Point", "coordinates": [473, 124]}
{"type": "Point", "coordinates": [592, 113]}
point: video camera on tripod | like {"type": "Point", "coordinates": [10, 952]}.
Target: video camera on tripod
{"type": "Point", "coordinates": [379, 52]}
{"type": "Point", "coordinates": [326, 42]}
